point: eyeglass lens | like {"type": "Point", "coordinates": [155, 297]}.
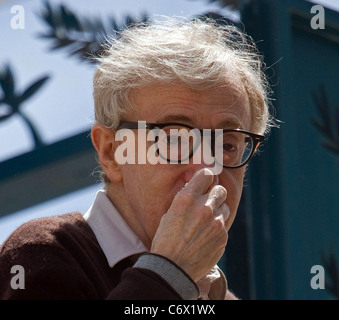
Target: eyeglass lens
{"type": "Point", "coordinates": [177, 144]}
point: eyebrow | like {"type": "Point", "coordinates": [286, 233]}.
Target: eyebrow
{"type": "Point", "coordinates": [175, 118]}
{"type": "Point", "coordinates": [227, 124]}
{"type": "Point", "coordinates": [230, 124]}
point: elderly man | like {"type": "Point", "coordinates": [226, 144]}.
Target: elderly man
{"type": "Point", "coordinates": [160, 226]}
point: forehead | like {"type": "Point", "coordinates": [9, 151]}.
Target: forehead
{"type": "Point", "coordinates": [220, 106]}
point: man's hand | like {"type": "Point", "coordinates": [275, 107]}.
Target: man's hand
{"type": "Point", "coordinates": [192, 233]}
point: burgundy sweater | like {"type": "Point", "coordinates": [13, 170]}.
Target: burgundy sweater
{"type": "Point", "coordinates": [63, 260]}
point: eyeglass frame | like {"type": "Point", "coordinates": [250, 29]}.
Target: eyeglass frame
{"type": "Point", "coordinates": [256, 138]}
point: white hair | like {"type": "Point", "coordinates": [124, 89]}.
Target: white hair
{"type": "Point", "coordinates": [198, 53]}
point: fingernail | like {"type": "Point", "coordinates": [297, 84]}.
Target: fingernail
{"type": "Point", "coordinates": [208, 172]}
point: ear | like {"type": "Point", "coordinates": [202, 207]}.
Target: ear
{"type": "Point", "coordinates": [103, 140]}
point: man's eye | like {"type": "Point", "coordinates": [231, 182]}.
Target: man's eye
{"type": "Point", "coordinates": [170, 139]}
{"type": "Point", "coordinates": [229, 147]}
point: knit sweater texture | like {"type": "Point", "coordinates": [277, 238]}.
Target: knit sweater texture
{"type": "Point", "coordinates": [62, 259]}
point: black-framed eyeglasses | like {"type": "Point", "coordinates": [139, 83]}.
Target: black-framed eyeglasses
{"type": "Point", "coordinates": [177, 142]}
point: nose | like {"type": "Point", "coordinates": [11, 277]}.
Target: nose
{"type": "Point", "coordinates": [192, 168]}
{"type": "Point", "coordinates": [204, 157]}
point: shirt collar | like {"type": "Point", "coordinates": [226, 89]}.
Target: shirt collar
{"type": "Point", "coordinates": [118, 241]}
{"type": "Point", "coordinates": [115, 237]}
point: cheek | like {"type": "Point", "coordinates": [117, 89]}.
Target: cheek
{"type": "Point", "coordinates": [232, 180]}
{"type": "Point", "coordinates": [150, 190]}
{"type": "Point", "coordinates": [139, 186]}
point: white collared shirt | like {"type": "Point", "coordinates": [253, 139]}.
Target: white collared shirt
{"type": "Point", "coordinates": [115, 237]}
{"type": "Point", "coordinates": [118, 241]}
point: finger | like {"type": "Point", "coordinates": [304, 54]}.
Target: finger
{"type": "Point", "coordinates": [217, 194]}
{"type": "Point", "coordinates": [200, 182]}
{"type": "Point", "coordinates": [222, 214]}
{"type": "Point", "coordinates": [216, 197]}
{"type": "Point", "coordinates": [223, 211]}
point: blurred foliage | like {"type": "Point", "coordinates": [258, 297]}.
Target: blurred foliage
{"type": "Point", "coordinates": [231, 4]}
{"type": "Point", "coordinates": [11, 100]}
{"type": "Point", "coordinates": [81, 36]}
{"type": "Point", "coordinates": [85, 37]}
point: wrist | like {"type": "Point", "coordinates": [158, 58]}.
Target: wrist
{"type": "Point", "coordinates": [176, 277]}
